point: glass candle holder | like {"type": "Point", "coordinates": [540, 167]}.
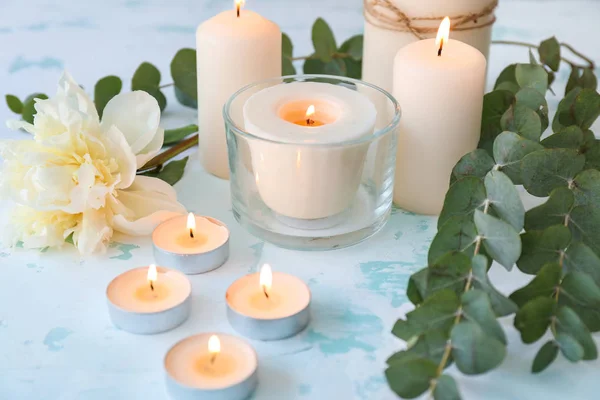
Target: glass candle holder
{"type": "Point", "coordinates": [312, 159]}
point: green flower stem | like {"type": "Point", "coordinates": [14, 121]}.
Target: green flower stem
{"type": "Point", "coordinates": [166, 85]}
{"type": "Point", "coordinates": [157, 162]}
{"type": "Point", "coordinates": [448, 348]}
{"type": "Point", "coordinates": [590, 63]}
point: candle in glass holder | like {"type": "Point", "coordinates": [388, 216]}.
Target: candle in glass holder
{"type": "Point", "coordinates": [149, 300]}
{"type": "Point", "coordinates": [211, 367]}
{"type": "Point", "coordinates": [193, 244]}
{"type": "Point", "coordinates": [309, 165]}
{"type": "Point", "coordinates": [267, 305]}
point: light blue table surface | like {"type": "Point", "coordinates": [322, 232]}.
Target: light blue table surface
{"type": "Point", "coordinates": [56, 340]}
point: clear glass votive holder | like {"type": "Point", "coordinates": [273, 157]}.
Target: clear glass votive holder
{"type": "Point", "coordinates": [309, 195]}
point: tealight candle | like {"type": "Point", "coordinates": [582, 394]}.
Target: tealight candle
{"type": "Point", "coordinates": [211, 367]}
{"type": "Point", "coordinates": [149, 300]}
{"type": "Point", "coordinates": [267, 305]}
{"type": "Point", "coordinates": [306, 169]}
{"type": "Point", "coordinates": [192, 244]}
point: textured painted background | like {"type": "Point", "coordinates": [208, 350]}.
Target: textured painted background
{"type": "Point", "coordinates": [56, 341]}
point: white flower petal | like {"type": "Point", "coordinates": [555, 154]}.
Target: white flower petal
{"type": "Point", "coordinates": [148, 152]}
{"type": "Point", "coordinates": [141, 207]}
{"type": "Point", "coordinates": [16, 125]}
{"type": "Point", "coordinates": [117, 147]}
{"type": "Point", "coordinates": [76, 96]}
{"type": "Point", "coordinates": [137, 115]}
{"type": "Point", "coordinates": [94, 234]}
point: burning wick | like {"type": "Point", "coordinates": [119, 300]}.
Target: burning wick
{"type": "Point", "coordinates": [442, 35]}
{"type": "Point", "coordinates": [441, 47]}
{"type": "Point", "coordinates": [266, 278]}
{"type": "Point", "coordinates": [265, 291]}
{"type": "Point", "coordinates": [152, 275]}
{"type": "Point", "coordinates": [238, 6]}
{"type": "Point", "coordinates": [309, 112]}
{"type": "Point", "coordinates": [214, 347]}
{"type": "Point", "coordinates": [191, 224]}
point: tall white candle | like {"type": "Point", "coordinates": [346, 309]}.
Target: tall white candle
{"type": "Point", "coordinates": [441, 98]}
{"type": "Point", "coordinates": [233, 50]}
{"type": "Point", "coordinates": [383, 37]}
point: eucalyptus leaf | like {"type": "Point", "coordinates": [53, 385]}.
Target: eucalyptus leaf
{"type": "Point", "coordinates": [335, 67]}
{"type": "Point", "coordinates": [545, 356]}
{"type": "Point", "coordinates": [476, 307]}
{"type": "Point", "coordinates": [173, 136]}
{"type": "Point", "coordinates": [505, 199]}
{"type": "Point", "coordinates": [473, 350]}
{"type": "Point", "coordinates": [544, 284]}
{"type": "Point", "coordinates": [353, 47]}
{"type": "Point", "coordinates": [542, 247]}
{"type": "Point", "coordinates": [580, 107]}
{"type": "Point", "coordinates": [411, 378]}
{"type": "Point", "coordinates": [171, 172]}
{"type": "Point", "coordinates": [323, 41]}
{"type": "Point", "coordinates": [500, 239]}
{"type": "Point", "coordinates": [353, 68]}
{"type": "Point", "coordinates": [501, 305]}
{"type": "Point", "coordinates": [147, 78]}
{"type": "Point", "coordinates": [449, 272]}
{"type": "Point", "coordinates": [183, 72]}
{"type": "Point", "coordinates": [417, 286]}
{"type": "Point", "coordinates": [29, 110]}
{"type": "Point", "coordinates": [532, 76]}
{"type": "Point", "coordinates": [583, 78]}
{"type": "Point", "coordinates": [287, 48]}
{"type": "Point", "coordinates": [509, 150]}
{"type": "Point", "coordinates": [287, 67]}
{"type": "Point", "coordinates": [314, 66]}
{"type": "Point", "coordinates": [522, 120]}
{"type": "Point", "coordinates": [495, 105]}
{"type": "Point", "coordinates": [14, 104]}
{"type": "Point", "coordinates": [544, 170]}
{"type": "Point", "coordinates": [549, 51]}
{"type": "Point", "coordinates": [463, 198]}
{"type": "Point", "coordinates": [584, 223]}
{"type": "Point", "coordinates": [476, 163]}
{"type": "Point", "coordinates": [567, 138]}
{"type": "Point", "coordinates": [104, 90]}
{"type": "Point", "coordinates": [184, 99]}
{"type": "Point", "coordinates": [567, 321]}
{"type": "Point", "coordinates": [430, 345]}
{"type": "Point", "coordinates": [507, 78]}
{"type": "Point", "coordinates": [586, 188]}
{"type": "Point", "coordinates": [581, 292]}
{"type": "Point", "coordinates": [580, 257]}
{"type": "Point", "coordinates": [592, 153]}
{"type": "Point", "coordinates": [569, 347]}
{"type": "Point", "coordinates": [446, 389]}
{"type": "Point", "coordinates": [457, 234]}
{"type": "Point", "coordinates": [532, 319]}
{"type": "Point", "coordinates": [535, 101]}
{"type": "Point", "coordinates": [552, 212]}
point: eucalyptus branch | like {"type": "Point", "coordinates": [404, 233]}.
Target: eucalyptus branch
{"type": "Point", "coordinates": [157, 162]}
{"type": "Point", "coordinates": [590, 63]}
{"type": "Point", "coordinates": [166, 85]}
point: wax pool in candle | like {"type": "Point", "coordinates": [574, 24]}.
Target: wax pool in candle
{"type": "Point", "coordinates": [441, 99]}
{"type": "Point", "coordinates": [191, 363]}
{"type": "Point", "coordinates": [295, 176]}
{"type": "Point", "coordinates": [233, 50]}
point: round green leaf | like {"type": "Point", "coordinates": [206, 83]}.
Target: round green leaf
{"type": "Point", "coordinates": [535, 101]}
{"type": "Point", "coordinates": [29, 106]}
{"type": "Point", "coordinates": [430, 345]}
{"type": "Point", "coordinates": [532, 320]}
{"type": "Point", "coordinates": [580, 257]}
{"type": "Point", "coordinates": [417, 286]}
{"type": "Point", "coordinates": [567, 138]}
{"type": "Point", "coordinates": [544, 170]}
{"type": "Point", "coordinates": [14, 104]}
{"type": "Point", "coordinates": [504, 198]}
{"type": "Point", "coordinates": [580, 107]}
{"type": "Point", "coordinates": [323, 41]}
{"type": "Point", "coordinates": [507, 76]}
{"type": "Point", "coordinates": [550, 53]}
{"type": "Point", "coordinates": [145, 77]}
{"type": "Point", "coordinates": [449, 272]}
{"type": "Point", "coordinates": [353, 47]}
{"type": "Point", "coordinates": [446, 389]}
{"type": "Point", "coordinates": [500, 239]}
{"type": "Point", "coordinates": [476, 163]}
{"type": "Point", "coordinates": [104, 90]}
{"type": "Point", "coordinates": [522, 120]}
{"type": "Point", "coordinates": [567, 321]}
{"type": "Point", "coordinates": [552, 212]}
{"type": "Point", "coordinates": [478, 308]}
{"type": "Point", "coordinates": [532, 76]}
{"type": "Point", "coordinates": [586, 188]}
{"type": "Point", "coordinates": [171, 172]}
{"type": "Point", "coordinates": [580, 289]}
{"type": "Point", "coordinates": [437, 312]}
{"type": "Point", "coordinates": [353, 68]}
{"type": "Point", "coordinates": [287, 67]}
{"type": "Point", "coordinates": [542, 247]}
{"type": "Point", "coordinates": [457, 234]}
{"type": "Point", "coordinates": [545, 356]}
{"type": "Point", "coordinates": [584, 223]}
{"type": "Point", "coordinates": [183, 71]}
{"type": "Point", "coordinates": [543, 285]}
{"type": "Point", "coordinates": [495, 105]}
{"type": "Point", "coordinates": [569, 347]}
{"type": "Point", "coordinates": [501, 305]}
{"type": "Point", "coordinates": [411, 378]}
{"type": "Point", "coordinates": [473, 350]}
{"type": "Point", "coordinates": [287, 48]}
{"type": "Point", "coordinates": [184, 99]}
{"type": "Point", "coordinates": [335, 67]}
{"type": "Point", "coordinates": [463, 198]}
{"type": "Point", "coordinates": [314, 66]}
{"type": "Point", "coordinates": [509, 150]}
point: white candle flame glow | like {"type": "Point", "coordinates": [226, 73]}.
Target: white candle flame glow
{"type": "Point", "coordinates": [442, 35]}
{"type": "Point", "coordinates": [266, 278]}
{"type": "Point", "coordinates": [310, 111]}
{"type": "Point", "coordinates": [152, 273]}
{"type": "Point", "coordinates": [191, 223]}
{"type": "Point", "coordinates": [214, 345]}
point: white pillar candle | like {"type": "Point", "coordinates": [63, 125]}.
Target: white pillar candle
{"type": "Point", "coordinates": [307, 167]}
{"type": "Point", "coordinates": [441, 98]}
{"type": "Point", "coordinates": [267, 305]}
{"type": "Point", "coordinates": [211, 366]}
{"type": "Point", "coordinates": [234, 49]}
{"type": "Point", "coordinates": [383, 37]}
{"type": "Point", "coordinates": [149, 299]}
{"type": "Point", "coordinates": [193, 244]}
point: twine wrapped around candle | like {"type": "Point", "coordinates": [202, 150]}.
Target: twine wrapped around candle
{"type": "Point", "coordinates": [384, 14]}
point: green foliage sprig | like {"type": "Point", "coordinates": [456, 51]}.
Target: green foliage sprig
{"type": "Point", "coordinates": [484, 220]}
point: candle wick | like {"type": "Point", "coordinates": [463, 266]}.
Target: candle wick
{"type": "Point", "coordinates": [309, 121]}
{"type": "Point", "coordinates": [265, 292]}
{"type": "Point", "coordinates": [191, 233]}
{"type": "Point", "coordinates": [151, 286]}
{"type": "Point", "coordinates": [441, 47]}
{"type": "Point", "coordinates": [238, 10]}
{"type": "Point", "coordinates": [213, 358]}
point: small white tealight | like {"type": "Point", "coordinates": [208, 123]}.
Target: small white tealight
{"type": "Point", "coordinates": [192, 244]}
{"type": "Point", "coordinates": [267, 305]}
{"type": "Point", "coordinates": [211, 366]}
{"type": "Point", "coordinates": [149, 300]}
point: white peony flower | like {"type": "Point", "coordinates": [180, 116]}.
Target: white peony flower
{"type": "Point", "coordinates": [78, 174]}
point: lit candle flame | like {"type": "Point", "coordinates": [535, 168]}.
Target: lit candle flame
{"type": "Point", "coordinates": [442, 35]}
{"type": "Point", "coordinates": [152, 275]}
{"type": "Point", "coordinates": [191, 224]}
{"type": "Point", "coordinates": [266, 279]}
{"type": "Point", "coordinates": [309, 113]}
{"type": "Point", "coordinates": [238, 5]}
{"type": "Point", "coordinates": [214, 347]}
